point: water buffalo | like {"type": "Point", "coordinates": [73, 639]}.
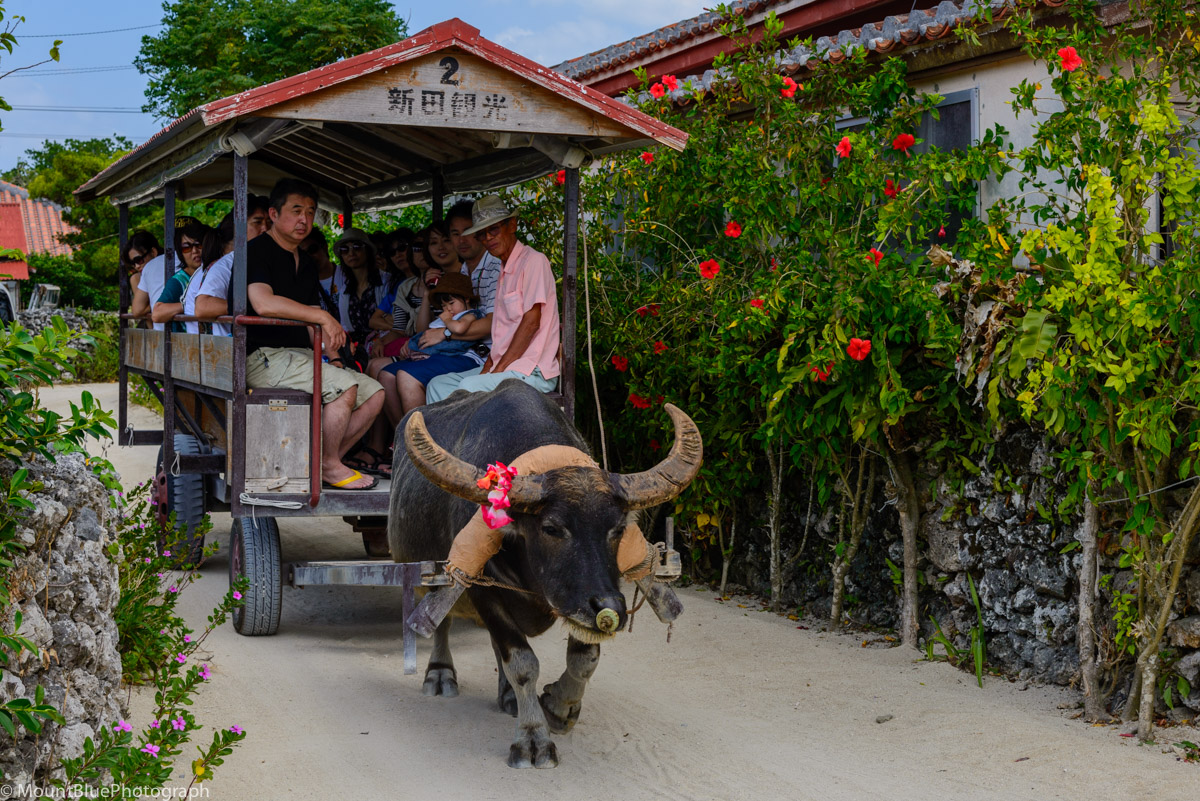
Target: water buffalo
{"type": "Point", "coordinates": [560, 547]}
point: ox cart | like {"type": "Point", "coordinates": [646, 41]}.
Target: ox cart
{"type": "Point", "coordinates": [444, 113]}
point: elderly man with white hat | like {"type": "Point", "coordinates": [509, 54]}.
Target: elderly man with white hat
{"type": "Point", "coordinates": [525, 326]}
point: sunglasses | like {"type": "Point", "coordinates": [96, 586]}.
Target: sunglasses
{"type": "Point", "coordinates": [186, 246]}
{"type": "Point", "coordinates": [346, 247]}
{"type": "Point", "coordinates": [138, 261]}
{"type": "Point", "coordinates": [490, 231]}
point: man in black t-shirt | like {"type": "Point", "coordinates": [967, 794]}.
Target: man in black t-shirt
{"type": "Point", "coordinates": [281, 281]}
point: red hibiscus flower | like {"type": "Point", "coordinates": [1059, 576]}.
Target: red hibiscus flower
{"type": "Point", "coordinates": [560, 177]}
{"type": "Point", "coordinates": [659, 347]}
{"type": "Point", "coordinates": [709, 268]}
{"type": "Point", "coordinates": [658, 399]}
{"type": "Point", "coordinates": [875, 256]}
{"type": "Point", "coordinates": [942, 232]}
{"type": "Point", "coordinates": [654, 445]}
{"type": "Point", "coordinates": [671, 82]}
{"type": "Point", "coordinates": [1070, 59]}
{"type": "Point", "coordinates": [658, 90]}
{"type": "Point", "coordinates": [653, 309]}
{"type": "Point", "coordinates": [757, 303]}
{"type": "Point", "coordinates": [789, 88]}
{"type": "Point", "coordinates": [340, 223]}
{"type": "Point", "coordinates": [843, 147]}
{"type": "Point", "coordinates": [890, 189]}
{"type": "Point", "coordinates": [774, 265]}
{"type": "Point", "coordinates": [819, 374]}
{"type": "Point", "coordinates": [647, 157]}
{"type": "Point", "coordinates": [904, 142]}
{"type": "Point", "coordinates": [641, 311]}
{"type": "Point", "coordinates": [638, 401]}
{"type": "Point", "coordinates": [621, 363]}
{"type": "Point", "coordinates": [858, 348]}
{"type": "Point", "coordinates": [733, 229]}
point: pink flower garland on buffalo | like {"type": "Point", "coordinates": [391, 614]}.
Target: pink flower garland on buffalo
{"type": "Point", "coordinates": [498, 480]}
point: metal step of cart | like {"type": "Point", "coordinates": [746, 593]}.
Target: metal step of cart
{"type": "Point", "coordinates": [406, 575]}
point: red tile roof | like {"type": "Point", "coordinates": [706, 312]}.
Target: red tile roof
{"type": "Point", "coordinates": [30, 226]}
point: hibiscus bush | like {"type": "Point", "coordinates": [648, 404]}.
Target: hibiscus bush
{"type": "Point", "coordinates": [1105, 356]}
{"type": "Point", "coordinates": [772, 280]}
{"type": "Point", "coordinates": [796, 278]}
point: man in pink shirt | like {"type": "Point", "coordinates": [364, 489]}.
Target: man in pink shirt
{"type": "Point", "coordinates": [525, 327]}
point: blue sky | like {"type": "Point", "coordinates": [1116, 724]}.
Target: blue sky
{"type": "Point", "coordinates": [547, 31]}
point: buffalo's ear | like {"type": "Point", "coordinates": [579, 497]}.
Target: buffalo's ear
{"type": "Point", "coordinates": [671, 476]}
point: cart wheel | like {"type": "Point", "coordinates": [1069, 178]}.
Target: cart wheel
{"type": "Point", "coordinates": [254, 554]}
{"type": "Point", "coordinates": [183, 495]}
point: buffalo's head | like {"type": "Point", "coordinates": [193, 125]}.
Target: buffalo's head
{"type": "Point", "coordinates": [571, 519]}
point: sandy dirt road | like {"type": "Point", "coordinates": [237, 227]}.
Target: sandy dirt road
{"type": "Point", "coordinates": [741, 704]}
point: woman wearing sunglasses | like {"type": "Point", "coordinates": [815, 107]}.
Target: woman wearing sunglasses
{"type": "Point", "coordinates": [189, 244]}
{"type": "Point", "coordinates": [141, 248]}
{"type": "Point", "coordinates": [360, 286]}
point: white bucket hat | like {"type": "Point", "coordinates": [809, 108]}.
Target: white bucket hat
{"type": "Point", "coordinates": [487, 211]}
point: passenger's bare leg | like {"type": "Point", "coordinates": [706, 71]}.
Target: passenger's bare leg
{"type": "Point", "coordinates": [391, 396]}
{"type": "Point", "coordinates": [360, 420]}
{"type": "Point", "coordinates": [335, 417]}
{"type": "Point", "coordinates": [377, 364]}
{"type": "Point", "coordinates": [412, 393]}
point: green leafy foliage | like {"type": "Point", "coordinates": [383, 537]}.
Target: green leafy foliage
{"type": "Point", "coordinates": [207, 50]}
{"type": "Point", "coordinates": [1104, 353]}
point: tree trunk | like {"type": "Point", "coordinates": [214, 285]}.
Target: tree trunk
{"type": "Point", "coordinates": [1093, 696]}
{"type": "Point", "coordinates": [859, 502]}
{"type": "Point", "coordinates": [727, 553]}
{"type": "Point", "coordinates": [775, 462]}
{"type": "Point", "coordinates": [909, 508]}
{"type": "Point", "coordinates": [1149, 667]}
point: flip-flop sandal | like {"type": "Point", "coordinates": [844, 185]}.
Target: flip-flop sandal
{"type": "Point", "coordinates": [379, 466]}
{"type": "Point", "coordinates": [357, 476]}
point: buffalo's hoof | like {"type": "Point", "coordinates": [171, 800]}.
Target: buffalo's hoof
{"type": "Point", "coordinates": [533, 755]}
{"type": "Point", "coordinates": [560, 717]}
{"type": "Point", "coordinates": [440, 681]}
{"type": "Point", "coordinates": [507, 701]}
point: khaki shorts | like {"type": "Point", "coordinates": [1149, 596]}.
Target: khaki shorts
{"type": "Point", "coordinates": [292, 368]}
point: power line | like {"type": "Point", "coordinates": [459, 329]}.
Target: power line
{"type": "Point", "coordinates": [4, 134]}
{"type": "Point", "coordinates": [73, 71]}
{"type": "Point", "coordinates": [85, 33]}
{"type": "Point", "coordinates": [82, 109]}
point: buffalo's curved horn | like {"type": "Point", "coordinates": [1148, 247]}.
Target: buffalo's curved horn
{"type": "Point", "coordinates": [668, 478]}
{"type": "Point", "coordinates": [447, 471]}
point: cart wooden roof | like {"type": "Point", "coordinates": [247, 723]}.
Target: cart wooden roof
{"type": "Point", "coordinates": [445, 107]}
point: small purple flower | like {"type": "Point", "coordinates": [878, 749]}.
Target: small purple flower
{"type": "Point", "coordinates": [236, 729]}
{"type": "Point", "coordinates": [173, 589]}
{"type": "Point", "coordinates": [166, 553]}
{"type": "Point", "coordinates": [237, 596]}
{"type": "Point", "coordinates": [160, 575]}
{"type": "Point", "coordinates": [181, 658]}
{"type": "Point", "coordinates": [147, 560]}
{"type": "Point", "coordinates": [187, 638]}
{"type": "Point", "coordinates": [155, 724]}
{"type": "Point", "coordinates": [204, 674]}
{"type": "Point", "coordinates": [150, 748]}
{"type": "Point", "coordinates": [122, 725]}
{"type": "Point", "coordinates": [162, 631]}
{"type": "Point", "coordinates": [179, 724]}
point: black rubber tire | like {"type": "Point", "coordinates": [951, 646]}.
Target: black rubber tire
{"type": "Point", "coordinates": [254, 553]}
{"type": "Point", "coordinates": [185, 497]}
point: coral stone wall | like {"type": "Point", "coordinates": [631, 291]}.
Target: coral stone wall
{"type": "Point", "coordinates": [66, 589]}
